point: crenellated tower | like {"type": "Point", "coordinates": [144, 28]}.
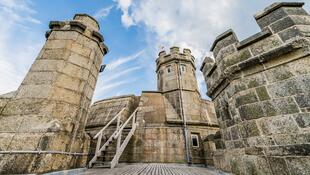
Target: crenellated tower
{"type": "Point", "coordinates": [42, 125]}
{"type": "Point", "coordinates": [176, 79]}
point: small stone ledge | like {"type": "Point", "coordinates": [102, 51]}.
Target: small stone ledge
{"type": "Point", "coordinates": [276, 6]}
{"type": "Point", "coordinates": [151, 92]}
{"type": "Point", "coordinates": [254, 38]}
{"type": "Point", "coordinates": [98, 36]}
{"type": "Point", "coordinates": [76, 24]}
{"type": "Point", "coordinates": [191, 122]}
{"type": "Point", "coordinates": [220, 37]}
{"type": "Point", "coordinates": [276, 52]}
{"type": "Point", "coordinates": [225, 40]}
{"type": "Point", "coordinates": [56, 24]}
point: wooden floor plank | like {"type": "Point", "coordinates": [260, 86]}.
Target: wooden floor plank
{"type": "Point", "coordinates": [154, 169]}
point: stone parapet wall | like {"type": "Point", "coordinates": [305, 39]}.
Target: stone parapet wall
{"type": "Point", "coordinates": [260, 88]}
{"type": "Point", "coordinates": [103, 111]}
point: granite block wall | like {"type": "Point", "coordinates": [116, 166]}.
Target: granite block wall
{"type": "Point", "coordinates": [260, 88]}
{"type": "Point", "coordinates": [48, 111]}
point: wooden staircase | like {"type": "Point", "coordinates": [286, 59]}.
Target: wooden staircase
{"type": "Point", "coordinates": [108, 154]}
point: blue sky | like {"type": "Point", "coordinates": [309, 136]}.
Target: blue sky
{"type": "Point", "coordinates": [134, 30]}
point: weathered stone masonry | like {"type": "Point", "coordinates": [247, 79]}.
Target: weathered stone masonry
{"type": "Point", "coordinates": [48, 111]}
{"type": "Point", "coordinates": [160, 132]}
{"type": "Point", "coordinates": [260, 88]}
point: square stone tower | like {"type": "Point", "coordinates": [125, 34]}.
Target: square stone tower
{"type": "Point", "coordinates": [42, 125]}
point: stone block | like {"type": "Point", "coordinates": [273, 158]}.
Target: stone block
{"type": "Point", "coordinates": [289, 33]}
{"type": "Point", "coordinates": [298, 165]}
{"type": "Point", "coordinates": [270, 108]}
{"type": "Point", "coordinates": [39, 78]}
{"type": "Point", "coordinates": [68, 82]}
{"type": "Point", "coordinates": [256, 165]}
{"type": "Point", "coordinates": [262, 93]}
{"type": "Point", "coordinates": [278, 165]}
{"type": "Point", "coordinates": [255, 80]}
{"type": "Point", "coordinates": [246, 98]}
{"type": "Point", "coordinates": [58, 44]}
{"type": "Point", "coordinates": [289, 150]}
{"type": "Point", "coordinates": [65, 95]}
{"type": "Point", "coordinates": [286, 106]}
{"type": "Point", "coordinates": [55, 54]}
{"type": "Point", "coordinates": [80, 49]}
{"type": "Point", "coordinates": [47, 65]}
{"type": "Point", "coordinates": [282, 24]}
{"type": "Point", "coordinates": [79, 60]}
{"type": "Point", "coordinates": [251, 128]}
{"type": "Point", "coordinates": [303, 120]}
{"type": "Point", "coordinates": [34, 91]}
{"type": "Point", "coordinates": [251, 111]}
{"type": "Point", "coordinates": [278, 125]}
{"type": "Point", "coordinates": [234, 132]}
{"type": "Point", "coordinates": [237, 165]}
{"type": "Point", "coordinates": [270, 18]}
{"type": "Point", "coordinates": [279, 73]}
{"type": "Point", "coordinates": [303, 100]}
{"type": "Point", "coordinates": [77, 71]}
{"type": "Point", "coordinates": [63, 35]}
{"type": "Point", "coordinates": [265, 45]}
{"type": "Point", "coordinates": [261, 141]}
{"type": "Point", "coordinates": [26, 106]}
{"type": "Point", "coordinates": [25, 141]}
{"type": "Point", "coordinates": [294, 138]}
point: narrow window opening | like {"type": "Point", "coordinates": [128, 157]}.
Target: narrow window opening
{"type": "Point", "coordinates": [168, 69]}
{"type": "Point", "coordinates": [183, 68]}
{"type": "Point", "coordinates": [195, 140]}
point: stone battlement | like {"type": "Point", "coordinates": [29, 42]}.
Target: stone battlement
{"type": "Point", "coordinates": [285, 27]}
{"type": "Point", "coordinates": [81, 23]}
{"type": "Point", "coordinates": [164, 57]}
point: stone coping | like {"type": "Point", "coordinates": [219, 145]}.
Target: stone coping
{"type": "Point", "coordinates": [115, 97]}
{"type": "Point", "coordinates": [254, 38]}
{"type": "Point", "coordinates": [276, 52]}
{"type": "Point", "coordinates": [220, 37]}
{"type": "Point", "coordinates": [84, 14]}
{"type": "Point", "coordinates": [275, 6]}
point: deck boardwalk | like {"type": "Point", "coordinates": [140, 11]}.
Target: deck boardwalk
{"type": "Point", "coordinates": [154, 169]}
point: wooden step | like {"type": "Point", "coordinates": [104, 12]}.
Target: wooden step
{"type": "Point", "coordinates": [101, 164]}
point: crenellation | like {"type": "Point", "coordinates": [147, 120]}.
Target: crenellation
{"type": "Point", "coordinates": [258, 121]}
{"type": "Point", "coordinates": [259, 90]}
{"type": "Point", "coordinates": [222, 41]}
{"type": "Point", "coordinates": [174, 50]}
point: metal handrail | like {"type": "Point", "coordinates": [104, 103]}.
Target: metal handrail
{"type": "Point", "coordinates": [107, 125]}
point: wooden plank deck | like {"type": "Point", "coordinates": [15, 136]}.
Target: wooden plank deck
{"type": "Point", "coordinates": [154, 169]}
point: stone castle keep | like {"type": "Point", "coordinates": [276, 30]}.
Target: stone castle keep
{"type": "Point", "coordinates": [258, 121]}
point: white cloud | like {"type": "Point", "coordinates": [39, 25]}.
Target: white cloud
{"type": "Point", "coordinates": [16, 57]}
{"type": "Point", "coordinates": [189, 24]}
{"type": "Point", "coordinates": [104, 89]}
{"type": "Point", "coordinates": [104, 12]}
{"type": "Point", "coordinates": [124, 6]}
{"type": "Point", "coordinates": [120, 61]}
{"type": "Point", "coordinates": [121, 73]}
{"type": "Point", "coordinates": [117, 74]}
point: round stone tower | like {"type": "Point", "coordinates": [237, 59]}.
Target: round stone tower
{"type": "Point", "coordinates": [176, 79]}
{"type": "Point", "coordinates": [42, 126]}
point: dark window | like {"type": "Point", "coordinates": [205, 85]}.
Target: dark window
{"type": "Point", "coordinates": [168, 69]}
{"type": "Point", "coordinates": [183, 68]}
{"type": "Point", "coordinates": [195, 140]}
